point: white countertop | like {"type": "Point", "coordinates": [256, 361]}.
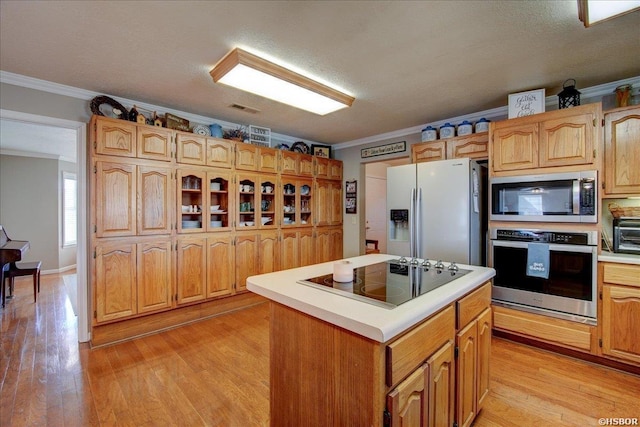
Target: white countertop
{"type": "Point", "coordinates": [377, 323]}
{"type": "Point", "coordinates": [621, 258]}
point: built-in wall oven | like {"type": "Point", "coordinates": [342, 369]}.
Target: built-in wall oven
{"type": "Point", "coordinates": [549, 272]}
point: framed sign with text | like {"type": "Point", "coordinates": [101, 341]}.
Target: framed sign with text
{"type": "Point", "coordinates": [351, 197]}
{"type": "Point", "coordinates": [526, 103]}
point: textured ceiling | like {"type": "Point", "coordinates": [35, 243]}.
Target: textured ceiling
{"type": "Point", "coordinates": [406, 63]}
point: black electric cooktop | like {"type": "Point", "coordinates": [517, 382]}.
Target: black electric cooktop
{"type": "Point", "coordinates": [387, 284]}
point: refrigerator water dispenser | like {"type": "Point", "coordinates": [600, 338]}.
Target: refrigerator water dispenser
{"type": "Point", "coordinates": [399, 224]}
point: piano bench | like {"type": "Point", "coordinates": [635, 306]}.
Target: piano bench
{"type": "Point", "coordinates": [18, 269]}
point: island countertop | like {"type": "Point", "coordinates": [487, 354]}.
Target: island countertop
{"type": "Point", "coordinates": [376, 323]}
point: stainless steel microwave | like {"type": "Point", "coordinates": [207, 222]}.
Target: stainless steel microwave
{"type": "Point", "coordinates": [556, 197]}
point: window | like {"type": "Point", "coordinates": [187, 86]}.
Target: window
{"type": "Point", "coordinates": [69, 209]}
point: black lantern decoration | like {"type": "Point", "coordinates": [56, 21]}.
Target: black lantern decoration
{"type": "Point", "coordinates": [569, 96]}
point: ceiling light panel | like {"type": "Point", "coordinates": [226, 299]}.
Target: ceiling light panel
{"type": "Point", "coordinates": [251, 73]}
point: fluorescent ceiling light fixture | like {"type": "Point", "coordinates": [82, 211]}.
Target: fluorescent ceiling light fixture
{"type": "Point", "coordinates": [251, 73]}
{"type": "Point", "coordinates": [592, 11]}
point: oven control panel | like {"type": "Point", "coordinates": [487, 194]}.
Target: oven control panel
{"type": "Point", "coordinates": [569, 238]}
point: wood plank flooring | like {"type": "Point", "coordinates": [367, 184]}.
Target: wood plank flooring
{"type": "Point", "coordinates": [216, 373]}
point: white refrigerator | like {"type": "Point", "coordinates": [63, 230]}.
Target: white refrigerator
{"type": "Point", "coordinates": [434, 211]}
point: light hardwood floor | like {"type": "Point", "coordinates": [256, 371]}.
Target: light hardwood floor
{"type": "Point", "coordinates": [216, 372]}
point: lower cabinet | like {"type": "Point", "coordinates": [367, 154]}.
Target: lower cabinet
{"type": "Point", "coordinates": [445, 388]}
{"type": "Point", "coordinates": [328, 244]}
{"type": "Point", "coordinates": [621, 312]}
{"type": "Point", "coordinates": [192, 269]}
{"type": "Point", "coordinates": [474, 348]}
{"type": "Point", "coordinates": [132, 278]}
{"type": "Point", "coordinates": [297, 248]}
{"type": "Point", "coordinates": [442, 383]}
{"type": "Point", "coordinates": [256, 253]}
{"type": "Point", "coordinates": [408, 404]}
{"type": "Point", "coordinates": [220, 263]}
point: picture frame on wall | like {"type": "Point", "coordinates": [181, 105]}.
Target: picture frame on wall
{"type": "Point", "coordinates": [351, 197]}
{"type": "Point", "coordinates": [321, 151]}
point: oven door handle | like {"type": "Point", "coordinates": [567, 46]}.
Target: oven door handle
{"type": "Point", "coordinates": [583, 249]}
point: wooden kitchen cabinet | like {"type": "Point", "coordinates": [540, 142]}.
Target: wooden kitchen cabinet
{"type": "Point", "coordinates": [220, 265]}
{"type": "Point", "coordinates": [328, 244]}
{"type": "Point", "coordinates": [153, 188]}
{"type": "Point", "coordinates": [115, 203]}
{"type": "Point", "coordinates": [289, 163]}
{"type": "Point", "coordinates": [474, 146]}
{"type": "Point", "coordinates": [155, 272]}
{"type": "Point", "coordinates": [328, 204]}
{"type": "Point", "coordinates": [191, 269]}
{"type": "Point", "coordinates": [297, 202]}
{"type": "Point", "coordinates": [154, 143]}
{"type": "Point", "coordinates": [297, 248]}
{"type": "Point", "coordinates": [220, 206]}
{"type": "Point", "coordinates": [408, 404]}
{"type": "Point", "coordinates": [256, 253]}
{"type": "Point", "coordinates": [190, 148]}
{"type": "Point", "coordinates": [622, 151]}
{"type": "Point", "coordinates": [116, 281]}
{"type": "Point", "coordinates": [328, 168]}
{"type": "Point", "coordinates": [191, 184]}
{"type": "Point", "coordinates": [442, 385]}
{"type": "Point", "coordinates": [621, 311]}
{"type": "Point", "coordinates": [155, 200]}
{"type": "Point", "coordinates": [220, 153]}
{"type": "Point", "coordinates": [247, 157]}
{"type": "Point", "coordinates": [473, 341]}
{"type": "Point", "coordinates": [113, 137]}
{"type": "Point", "coordinates": [566, 137]}
{"type": "Point", "coordinates": [429, 151]}
{"type": "Point", "coordinates": [268, 160]}
{"type": "Point", "coordinates": [305, 165]}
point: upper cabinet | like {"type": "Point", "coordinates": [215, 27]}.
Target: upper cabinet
{"type": "Point", "coordinates": [191, 148]}
{"type": "Point", "coordinates": [473, 146]}
{"type": "Point", "coordinates": [565, 137]}
{"type": "Point", "coordinates": [328, 168]}
{"type": "Point", "coordinates": [220, 153]}
{"type": "Point", "coordinates": [154, 143]}
{"type": "Point", "coordinates": [113, 137]}
{"type": "Point", "coordinates": [622, 151]}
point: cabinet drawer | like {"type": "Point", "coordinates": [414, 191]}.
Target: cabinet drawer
{"type": "Point", "coordinates": [473, 304]}
{"type": "Point", "coordinates": [410, 350]}
{"type": "Point", "coordinates": [622, 274]}
{"type": "Point", "coordinates": [556, 331]}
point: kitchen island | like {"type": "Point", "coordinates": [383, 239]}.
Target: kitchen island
{"type": "Point", "coordinates": [339, 361]}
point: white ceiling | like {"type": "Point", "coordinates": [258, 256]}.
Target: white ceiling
{"type": "Point", "coordinates": [406, 63]}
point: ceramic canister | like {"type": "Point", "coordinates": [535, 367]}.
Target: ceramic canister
{"type": "Point", "coordinates": [447, 130]}
{"type": "Point", "coordinates": [216, 130]}
{"type": "Point", "coordinates": [482, 125]}
{"type": "Point", "coordinates": [429, 134]}
{"type": "Point", "coordinates": [465, 128]}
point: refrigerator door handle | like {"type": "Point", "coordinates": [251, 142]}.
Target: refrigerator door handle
{"type": "Point", "coordinates": [412, 210]}
{"type": "Point", "coordinates": [418, 221]}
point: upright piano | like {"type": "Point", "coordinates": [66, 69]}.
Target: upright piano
{"type": "Point", "coordinates": [10, 251]}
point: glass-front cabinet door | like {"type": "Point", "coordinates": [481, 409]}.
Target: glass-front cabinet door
{"type": "Point", "coordinates": [247, 201]}
{"type": "Point", "coordinates": [289, 189]}
{"type": "Point", "coordinates": [220, 206]}
{"type": "Point", "coordinates": [297, 203]}
{"type": "Point", "coordinates": [268, 202]}
{"type": "Point", "coordinates": [191, 199]}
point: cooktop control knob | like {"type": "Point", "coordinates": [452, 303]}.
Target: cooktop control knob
{"type": "Point", "coordinates": [414, 261]}
{"type": "Point", "coordinates": [439, 265]}
{"type": "Point", "coordinates": [426, 264]}
{"type": "Point", "coordinates": [453, 267]}
{"type": "Point", "coordinates": [402, 260]}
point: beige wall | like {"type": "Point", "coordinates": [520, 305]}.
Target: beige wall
{"type": "Point", "coordinates": [29, 206]}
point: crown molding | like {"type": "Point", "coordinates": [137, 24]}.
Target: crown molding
{"type": "Point", "coordinates": [88, 95]}
{"type": "Point", "coordinates": [499, 113]}
{"type": "Point", "coordinates": [492, 114]}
